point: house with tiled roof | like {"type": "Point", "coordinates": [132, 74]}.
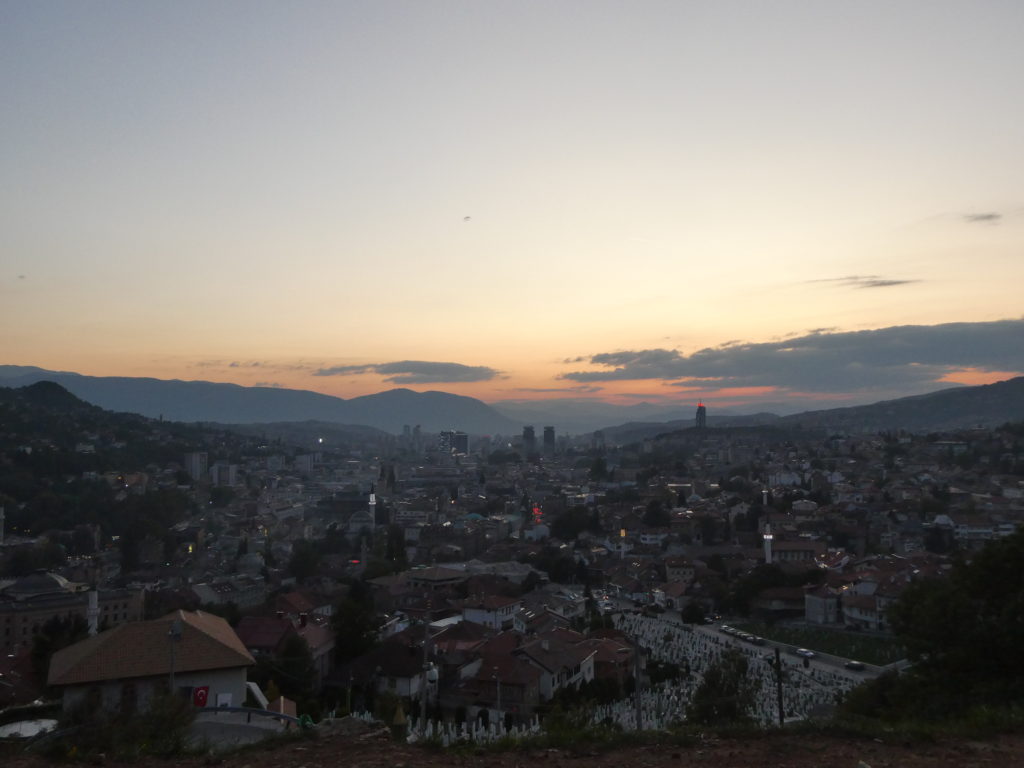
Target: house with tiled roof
{"type": "Point", "coordinates": [613, 658]}
{"type": "Point", "coordinates": [264, 635]}
{"type": "Point", "coordinates": [494, 611]}
{"type": "Point", "coordinates": [197, 655]}
{"type": "Point", "coordinates": [505, 686]}
{"type": "Point", "coordinates": [564, 664]}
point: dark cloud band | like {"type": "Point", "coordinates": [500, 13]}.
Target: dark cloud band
{"type": "Point", "coordinates": [878, 360]}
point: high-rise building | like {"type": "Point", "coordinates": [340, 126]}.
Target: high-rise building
{"type": "Point", "coordinates": [549, 441]}
{"type": "Point", "coordinates": [445, 440]}
{"type": "Point", "coordinates": [529, 440]}
{"type": "Point", "coordinates": [453, 441]}
{"type": "Point", "coordinates": [196, 464]}
{"type": "Point", "coordinates": [222, 473]}
{"type": "Point", "coordinates": [702, 416]}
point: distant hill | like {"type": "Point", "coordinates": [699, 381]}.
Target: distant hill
{"type": "Point", "coordinates": [988, 405]}
{"type": "Point", "coordinates": [203, 401]}
{"type": "Point", "coordinates": [577, 415]}
{"type": "Point", "coordinates": [634, 432]}
{"type": "Point", "coordinates": [192, 401]}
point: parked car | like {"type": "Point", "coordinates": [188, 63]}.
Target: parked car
{"type": "Point", "coordinates": [856, 666]}
{"type": "Point", "coordinates": [807, 654]}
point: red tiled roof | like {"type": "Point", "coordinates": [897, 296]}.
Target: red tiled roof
{"type": "Point", "coordinates": [263, 632]}
{"type": "Point", "coordinates": [143, 649]}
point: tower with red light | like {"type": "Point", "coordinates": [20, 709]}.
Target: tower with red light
{"type": "Point", "coordinates": [702, 416]}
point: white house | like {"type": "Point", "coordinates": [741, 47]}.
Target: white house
{"type": "Point", "coordinates": [197, 655]}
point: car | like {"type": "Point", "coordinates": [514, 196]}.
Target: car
{"type": "Point", "coordinates": [807, 654]}
{"type": "Point", "coordinates": [856, 666]}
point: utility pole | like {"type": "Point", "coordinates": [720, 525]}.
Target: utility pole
{"type": "Point", "coordinates": [636, 688]}
{"type": "Point", "coordinates": [424, 694]}
{"type": "Point", "coordinates": [173, 635]}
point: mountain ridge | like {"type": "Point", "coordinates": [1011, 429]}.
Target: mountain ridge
{"type": "Point", "coordinates": [203, 401]}
{"type": "Point", "coordinates": [392, 410]}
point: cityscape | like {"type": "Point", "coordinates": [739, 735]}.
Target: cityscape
{"type": "Point", "coordinates": [406, 383]}
{"type": "Point", "coordinates": [466, 587]}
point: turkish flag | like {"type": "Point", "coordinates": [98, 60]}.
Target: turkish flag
{"type": "Point", "coordinates": [200, 694]}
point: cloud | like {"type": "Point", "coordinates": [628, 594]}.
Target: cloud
{"type": "Point", "coordinates": [864, 281]}
{"type": "Point", "coordinates": [415, 372]}
{"type": "Point", "coordinates": [897, 358]}
{"type": "Point", "coordinates": [983, 218]}
{"type": "Point", "coordinates": [587, 389]}
{"type": "Point", "coordinates": [263, 365]}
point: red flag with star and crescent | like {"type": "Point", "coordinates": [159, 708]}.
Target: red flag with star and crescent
{"type": "Point", "coordinates": [200, 694]}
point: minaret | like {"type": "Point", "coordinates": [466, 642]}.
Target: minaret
{"type": "Point", "coordinates": [702, 416]}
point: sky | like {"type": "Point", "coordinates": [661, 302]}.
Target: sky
{"type": "Point", "coordinates": [735, 202]}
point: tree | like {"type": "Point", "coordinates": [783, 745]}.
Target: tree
{"type": "Point", "coordinates": [24, 561]}
{"type": "Point", "coordinates": [963, 635]}
{"type": "Point", "coordinates": [570, 524]}
{"type": "Point", "coordinates": [304, 562]}
{"type": "Point", "coordinates": [656, 515]}
{"type": "Point", "coordinates": [291, 669]}
{"type": "Point", "coordinates": [56, 633]}
{"type": "Point", "coordinates": [221, 496]}
{"type": "Point", "coordinates": [692, 613]}
{"type": "Point", "coordinates": [726, 694]}
{"type": "Point", "coordinates": [355, 629]}
{"type": "Point", "coordinates": [395, 547]}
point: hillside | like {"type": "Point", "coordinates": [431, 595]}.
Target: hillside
{"type": "Point", "coordinates": [373, 749]}
{"type": "Point", "coordinates": [203, 401]}
{"type": "Point", "coordinates": [989, 405]}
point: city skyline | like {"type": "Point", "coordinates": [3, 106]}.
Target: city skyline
{"type": "Point", "coordinates": [666, 202]}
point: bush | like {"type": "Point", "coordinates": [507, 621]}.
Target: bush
{"type": "Point", "coordinates": [162, 730]}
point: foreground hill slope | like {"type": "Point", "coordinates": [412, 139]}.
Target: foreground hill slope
{"type": "Point", "coordinates": [374, 749]}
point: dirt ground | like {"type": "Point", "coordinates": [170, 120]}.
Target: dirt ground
{"type": "Point", "coordinates": [362, 747]}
